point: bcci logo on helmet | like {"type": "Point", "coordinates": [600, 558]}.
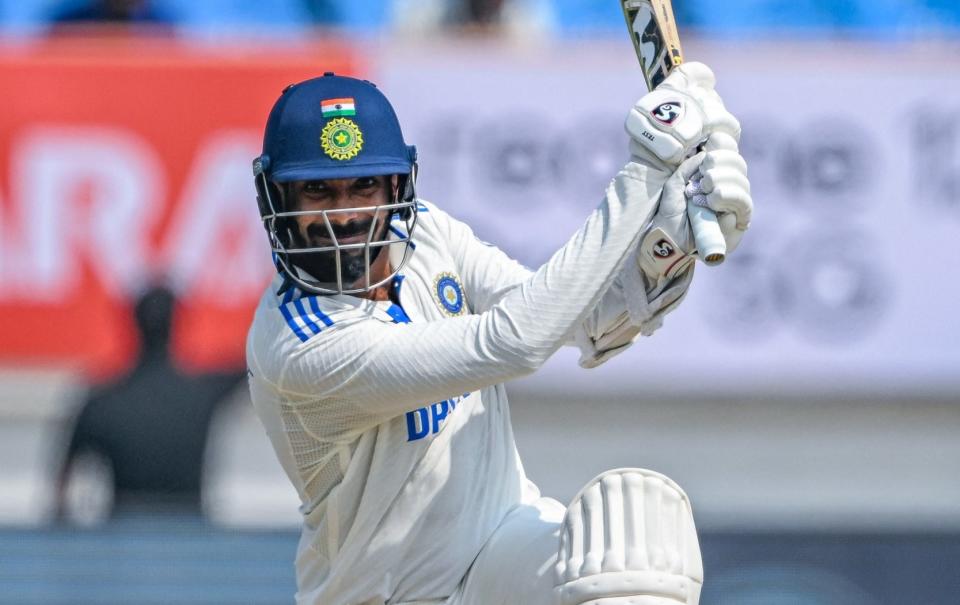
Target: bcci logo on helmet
{"type": "Point", "coordinates": [668, 113]}
{"type": "Point", "coordinates": [341, 139]}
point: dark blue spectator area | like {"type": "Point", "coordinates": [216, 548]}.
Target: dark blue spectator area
{"type": "Point", "coordinates": [175, 562]}
{"type": "Point", "coordinates": [147, 562]}
{"type": "Point", "coordinates": [708, 17]}
{"type": "Point", "coordinates": [830, 569]}
{"type": "Point", "coordinates": [248, 17]}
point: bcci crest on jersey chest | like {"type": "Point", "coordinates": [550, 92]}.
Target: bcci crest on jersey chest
{"type": "Point", "coordinates": [449, 294]}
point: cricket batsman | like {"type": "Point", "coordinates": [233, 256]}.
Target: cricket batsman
{"type": "Point", "coordinates": [377, 357]}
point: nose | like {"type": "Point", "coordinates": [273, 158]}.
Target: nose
{"type": "Point", "coordinates": [346, 226]}
{"type": "Point", "coordinates": [347, 208]}
{"type": "Point", "coordinates": [343, 216]}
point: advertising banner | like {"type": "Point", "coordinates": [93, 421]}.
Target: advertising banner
{"type": "Point", "coordinates": [847, 280]}
{"type": "Point", "coordinates": [124, 162]}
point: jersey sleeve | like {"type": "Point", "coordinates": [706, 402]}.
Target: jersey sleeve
{"type": "Point", "coordinates": [387, 369]}
{"type": "Point", "coordinates": [629, 308]}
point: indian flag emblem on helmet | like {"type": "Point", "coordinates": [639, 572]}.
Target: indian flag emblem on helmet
{"type": "Point", "coordinates": [333, 108]}
{"type": "Point", "coordinates": [449, 294]}
{"type": "Point", "coordinates": [341, 139]}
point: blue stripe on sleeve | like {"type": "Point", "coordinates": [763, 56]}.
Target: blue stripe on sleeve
{"type": "Point", "coordinates": [293, 324]}
{"type": "Point", "coordinates": [320, 314]}
{"type": "Point", "coordinates": [302, 311]}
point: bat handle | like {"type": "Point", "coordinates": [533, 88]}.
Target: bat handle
{"type": "Point", "coordinates": [711, 247]}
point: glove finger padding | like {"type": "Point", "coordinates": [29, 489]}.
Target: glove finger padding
{"type": "Point", "coordinates": [690, 75]}
{"type": "Point", "coordinates": [733, 199]}
{"type": "Point", "coordinates": [731, 234]}
{"type": "Point", "coordinates": [724, 158]}
{"type": "Point", "coordinates": [722, 177]}
{"type": "Point", "coordinates": [722, 185]}
{"type": "Point", "coordinates": [722, 140]}
{"type": "Point", "coordinates": [670, 122]}
{"type": "Point", "coordinates": [695, 76]}
{"type": "Point", "coordinates": [718, 119]}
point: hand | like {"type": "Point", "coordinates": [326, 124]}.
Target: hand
{"type": "Point", "coordinates": [721, 185]}
{"type": "Point", "coordinates": [668, 124]}
{"type": "Point", "coordinates": [667, 248]}
{"type": "Point", "coordinates": [715, 178]}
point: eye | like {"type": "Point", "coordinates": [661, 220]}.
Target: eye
{"type": "Point", "coordinates": [315, 188]}
{"type": "Point", "coordinates": [366, 183]}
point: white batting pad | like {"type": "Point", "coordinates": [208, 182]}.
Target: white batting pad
{"type": "Point", "coordinates": [628, 538]}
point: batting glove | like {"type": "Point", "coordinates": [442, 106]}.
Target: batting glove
{"type": "Point", "coordinates": [721, 185]}
{"type": "Point", "coordinates": [667, 248]}
{"type": "Point", "coordinates": [668, 124]}
{"type": "Point", "coordinates": [716, 179]}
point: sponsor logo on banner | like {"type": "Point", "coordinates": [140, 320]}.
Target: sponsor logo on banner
{"type": "Point", "coordinates": [833, 163]}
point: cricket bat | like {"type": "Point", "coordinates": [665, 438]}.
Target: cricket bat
{"type": "Point", "coordinates": [653, 30]}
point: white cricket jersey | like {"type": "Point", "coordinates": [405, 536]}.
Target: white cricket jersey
{"type": "Point", "coordinates": [392, 421]}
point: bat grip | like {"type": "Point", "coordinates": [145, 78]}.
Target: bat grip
{"type": "Point", "coordinates": [711, 247]}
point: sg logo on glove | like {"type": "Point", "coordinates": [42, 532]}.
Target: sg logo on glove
{"type": "Point", "coordinates": [668, 113]}
{"type": "Point", "coordinates": [663, 249]}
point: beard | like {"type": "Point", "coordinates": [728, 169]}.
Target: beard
{"type": "Point", "coordinates": [322, 266]}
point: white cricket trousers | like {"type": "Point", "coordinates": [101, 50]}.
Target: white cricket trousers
{"type": "Point", "coordinates": [516, 565]}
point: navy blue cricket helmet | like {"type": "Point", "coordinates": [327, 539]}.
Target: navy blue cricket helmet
{"type": "Point", "coordinates": [334, 127]}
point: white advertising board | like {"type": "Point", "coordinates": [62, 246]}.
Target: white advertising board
{"type": "Point", "coordinates": [847, 281]}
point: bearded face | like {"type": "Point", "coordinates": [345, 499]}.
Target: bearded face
{"type": "Point", "coordinates": [353, 263]}
{"type": "Point", "coordinates": [345, 205]}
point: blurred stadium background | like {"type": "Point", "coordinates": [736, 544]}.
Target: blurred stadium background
{"type": "Point", "coordinates": [807, 394]}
